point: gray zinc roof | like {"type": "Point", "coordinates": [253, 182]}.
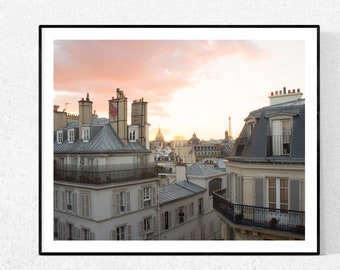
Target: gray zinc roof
{"type": "Point", "coordinates": [103, 139]}
{"type": "Point", "coordinates": [256, 146]}
{"type": "Point", "coordinates": [201, 170]}
{"type": "Point", "coordinates": [177, 191]}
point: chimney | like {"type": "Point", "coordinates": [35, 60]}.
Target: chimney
{"type": "Point", "coordinates": [85, 112]}
{"type": "Point", "coordinates": [282, 96]}
{"type": "Point", "coordinates": [139, 117]}
{"type": "Point", "coordinates": [181, 172]}
{"type": "Point", "coordinates": [118, 115]}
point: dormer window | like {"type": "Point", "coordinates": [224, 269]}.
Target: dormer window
{"type": "Point", "coordinates": [280, 136]}
{"type": "Point", "coordinates": [59, 137]}
{"type": "Point", "coordinates": [133, 133]}
{"type": "Point", "coordinates": [70, 135]}
{"type": "Point", "coordinates": [86, 134]}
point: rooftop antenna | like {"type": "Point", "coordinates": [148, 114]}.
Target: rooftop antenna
{"type": "Point", "coordinates": [65, 106]}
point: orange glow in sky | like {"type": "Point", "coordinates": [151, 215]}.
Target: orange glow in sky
{"type": "Point", "coordinates": [190, 86]}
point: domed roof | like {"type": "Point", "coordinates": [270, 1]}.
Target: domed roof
{"type": "Point", "coordinates": [194, 140]}
{"type": "Point", "coordinates": [159, 136]}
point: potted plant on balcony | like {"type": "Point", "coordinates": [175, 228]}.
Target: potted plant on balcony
{"type": "Point", "coordinates": [273, 222]}
{"type": "Point", "coordinates": [238, 218]}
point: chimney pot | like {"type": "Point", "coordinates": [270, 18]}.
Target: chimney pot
{"type": "Point", "coordinates": [288, 91]}
{"type": "Point", "coordinates": [280, 92]}
{"type": "Point", "coordinates": [272, 93]}
{"type": "Point", "coordinates": [293, 90]}
{"type": "Point", "coordinates": [87, 96]}
{"type": "Point", "coordinates": [275, 92]}
{"type": "Point", "coordinates": [298, 90]}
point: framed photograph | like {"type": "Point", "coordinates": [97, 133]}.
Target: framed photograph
{"type": "Point", "coordinates": [175, 140]}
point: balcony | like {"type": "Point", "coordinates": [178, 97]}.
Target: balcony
{"type": "Point", "coordinates": [261, 217]}
{"type": "Point", "coordinates": [104, 177]}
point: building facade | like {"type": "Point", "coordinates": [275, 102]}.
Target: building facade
{"type": "Point", "coordinates": [105, 180]}
{"type": "Point", "coordinates": [264, 197]}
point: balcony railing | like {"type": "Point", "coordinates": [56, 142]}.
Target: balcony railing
{"type": "Point", "coordinates": [279, 145]}
{"type": "Point", "coordinates": [103, 177]}
{"type": "Point", "coordinates": [262, 217]}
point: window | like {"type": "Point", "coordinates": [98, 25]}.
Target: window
{"type": "Point", "coordinates": [133, 133]}
{"type": "Point", "coordinates": [214, 185]}
{"type": "Point", "coordinates": [69, 231]}
{"type": "Point", "coordinates": [147, 224]}
{"type": "Point", "coordinates": [85, 234]}
{"type": "Point", "coordinates": [181, 215]}
{"type": "Point", "coordinates": [166, 220]}
{"type": "Point", "coordinates": [120, 233]}
{"type": "Point", "coordinates": [69, 201]}
{"type": "Point", "coordinates": [280, 137]}
{"type": "Point", "coordinates": [146, 196]}
{"type": "Point", "coordinates": [86, 134]}
{"type": "Point", "coordinates": [59, 136]}
{"type": "Point", "coordinates": [85, 200]}
{"type": "Point", "coordinates": [70, 135]}
{"type": "Point", "coordinates": [191, 209]}
{"type": "Point", "coordinates": [278, 193]}
{"type": "Point", "coordinates": [122, 201]}
{"type": "Point", "coordinates": [200, 206]}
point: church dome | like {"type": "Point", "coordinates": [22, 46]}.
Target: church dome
{"type": "Point", "coordinates": [159, 136]}
{"type": "Point", "coordinates": [194, 140]}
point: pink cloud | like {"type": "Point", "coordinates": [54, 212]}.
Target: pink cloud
{"type": "Point", "coordinates": [150, 69]}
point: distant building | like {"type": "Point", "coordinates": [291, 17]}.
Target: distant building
{"type": "Point", "coordinates": [186, 204]}
{"type": "Point", "coordinates": [264, 197]}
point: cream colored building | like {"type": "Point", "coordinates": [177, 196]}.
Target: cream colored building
{"type": "Point", "coordinates": [265, 194]}
{"type": "Point", "coordinates": [105, 179]}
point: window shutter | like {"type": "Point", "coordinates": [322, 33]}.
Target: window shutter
{"type": "Point", "coordinates": [74, 202]}
{"type": "Point", "coordinates": [92, 236]}
{"type": "Point", "coordinates": [294, 194]}
{"type": "Point", "coordinates": [154, 223]}
{"type": "Point", "coordinates": [259, 194]}
{"type": "Point", "coordinates": [59, 230]}
{"type": "Point", "coordinates": [115, 204]}
{"type": "Point", "coordinates": [154, 196]}
{"type": "Point", "coordinates": [169, 219]}
{"type": "Point", "coordinates": [140, 198]}
{"type": "Point", "coordinates": [128, 232]}
{"type": "Point", "coordinates": [176, 213]}
{"type": "Point", "coordinates": [185, 213]}
{"type": "Point", "coordinates": [63, 229]}
{"type": "Point", "coordinates": [163, 221]}
{"type": "Point", "coordinates": [113, 235]}
{"type": "Point", "coordinates": [88, 205]}
{"type": "Point", "coordinates": [128, 204]}
{"type": "Point", "coordinates": [63, 200]}
{"type": "Point", "coordinates": [76, 233]}
{"type": "Point", "coordinates": [141, 227]}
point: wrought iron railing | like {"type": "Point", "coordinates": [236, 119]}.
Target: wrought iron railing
{"type": "Point", "coordinates": [102, 177]}
{"type": "Point", "coordinates": [263, 217]}
{"type": "Point", "coordinates": [279, 145]}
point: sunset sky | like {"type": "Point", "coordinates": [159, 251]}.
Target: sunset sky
{"type": "Point", "coordinates": [190, 86]}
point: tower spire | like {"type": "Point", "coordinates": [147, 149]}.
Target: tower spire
{"type": "Point", "coordinates": [229, 129]}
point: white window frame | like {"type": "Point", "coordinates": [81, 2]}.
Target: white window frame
{"type": "Point", "coordinates": [147, 196]}
{"type": "Point", "coordinates": [147, 224]}
{"type": "Point", "coordinates": [59, 136]}
{"type": "Point", "coordinates": [278, 140]}
{"type": "Point", "coordinates": [278, 188]}
{"type": "Point", "coordinates": [86, 134]}
{"type": "Point", "coordinates": [133, 133]}
{"type": "Point", "coordinates": [70, 135]}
